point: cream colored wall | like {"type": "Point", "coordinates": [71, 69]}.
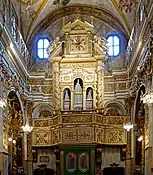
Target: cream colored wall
{"type": "Point", "coordinates": [111, 155]}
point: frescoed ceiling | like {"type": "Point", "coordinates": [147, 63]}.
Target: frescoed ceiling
{"type": "Point", "coordinates": [38, 15]}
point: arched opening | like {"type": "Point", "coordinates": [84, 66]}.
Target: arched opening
{"type": "Point", "coordinates": [15, 137]}
{"type": "Point", "coordinates": [139, 120]}
{"type": "Point", "coordinates": [78, 94]}
{"type": "Point", "coordinates": [67, 99]}
{"type": "Point", "coordinates": [89, 98]}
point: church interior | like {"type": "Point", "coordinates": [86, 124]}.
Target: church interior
{"type": "Point", "coordinates": [76, 80]}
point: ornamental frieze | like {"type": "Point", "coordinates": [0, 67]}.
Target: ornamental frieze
{"type": "Point", "coordinates": [76, 66]}
{"type": "Point", "coordinates": [76, 119]}
{"type": "Point", "coordinates": [41, 123]}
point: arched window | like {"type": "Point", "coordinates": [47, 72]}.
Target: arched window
{"type": "Point", "coordinates": [89, 98]}
{"type": "Point", "coordinates": [78, 94]}
{"type": "Point", "coordinates": [114, 45]}
{"type": "Point", "coordinates": [41, 46]}
{"type": "Point", "coordinates": [67, 99]}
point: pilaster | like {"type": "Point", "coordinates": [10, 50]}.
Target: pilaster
{"type": "Point", "coordinates": [149, 140]}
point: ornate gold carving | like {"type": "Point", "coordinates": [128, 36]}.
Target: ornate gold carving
{"type": "Point", "coordinates": [115, 136]}
{"type": "Point", "coordinates": [56, 89]}
{"type": "Point", "coordinates": [107, 120]}
{"type": "Point", "coordinates": [55, 121]}
{"type": "Point", "coordinates": [40, 138]}
{"type": "Point", "coordinates": [99, 135]}
{"type": "Point", "coordinates": [76, 119]}
{"type": "Point", "coordinates": [146, 133]}
{"type": "Point", "coordinates": [77, 134]}
{"type": "Point", "coordinates": [41, 123]}
{"type": "Point", "coordinates": [100, 86]}
{"type": "Point", "coordinates": [55, 136]}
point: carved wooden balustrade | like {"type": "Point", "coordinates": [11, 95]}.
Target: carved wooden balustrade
{"type": "Point", "coordinates": [85, 128]}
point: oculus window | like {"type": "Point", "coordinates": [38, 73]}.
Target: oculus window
{"type": "Point", "coordinates": [42, 45]}
{"type": "Point", "coordinates": [114, 44]}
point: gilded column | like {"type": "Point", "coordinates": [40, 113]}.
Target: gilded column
{"type": "Point", "coordinates": [148, 140]}
{"type": "Point", "coordinates": [56, 88]}
{"type": "Point", "coordinates": [29, 163]}
{"type": "Point", "coordinates": [100, 86]}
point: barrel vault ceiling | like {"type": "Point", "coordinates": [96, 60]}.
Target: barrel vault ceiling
{"type": "Point", "coordinates": [38, 15]}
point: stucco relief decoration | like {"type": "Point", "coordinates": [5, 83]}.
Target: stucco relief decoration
{"type": "Point", "coordinates": [109, 87]}
{"type": "Point", "coordinates": [47, 89]}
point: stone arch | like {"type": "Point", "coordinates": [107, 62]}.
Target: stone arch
{"type": "Point", "coordinates": [116, 107]}
{"type": "Point", "coordinates": [42, 108]}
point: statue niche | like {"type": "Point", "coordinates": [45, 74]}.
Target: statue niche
{"type": "Point", "coordinates": [78, 94]}
{"type": "Point", "coordinates": [89, 98]}
{"type": "Point", "coordinates": [67, 99]}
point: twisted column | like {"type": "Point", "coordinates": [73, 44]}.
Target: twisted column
{"type": "Point", "coordinates": [56, 89]}
{"type": "Point", "coordinates": [100, 86]}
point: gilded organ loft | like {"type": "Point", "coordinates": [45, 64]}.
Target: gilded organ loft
{"type": "Point", "coordinates": [76, 87]}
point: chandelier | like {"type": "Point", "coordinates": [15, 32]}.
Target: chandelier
{"type": "Point", "coordinates": [128, 126]}
{"type": "Point", "coordinates": [147, 98]}
{"type": "Point", "coordinates": [27, 128]}
{"type": "Point", "coordinates": [140, 138]}
{"type": "Point", "coordinates": [2, 103]}
{"type": "Point", "coordinates": [127, 5]}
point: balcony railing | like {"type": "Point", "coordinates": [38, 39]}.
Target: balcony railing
{"type": "Point", "coordinates": [85, 128]}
